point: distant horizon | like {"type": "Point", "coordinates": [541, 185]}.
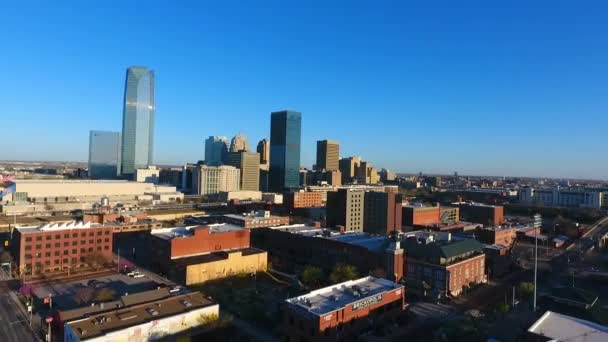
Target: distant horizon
{"type": "Point", "coordinates": [477, 87]}
{"type": "Point", "coordinates": [408, 173]}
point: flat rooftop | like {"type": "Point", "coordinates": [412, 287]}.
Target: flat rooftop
{"type": "Point", "coordinates": [118, 319]}
{"type": "Point", "coordinates": [181, 232]}
{"type": "Point", "coordinates": [301, 229]}
{"type": "Point", "coordinates": [558, 327]}
{"type": "Point", "coordinates": [251, 217]}
{"type": "Point", "coordinates": [71, 181]}
{"type": "Point", "coordinates": [373, 243]}
{"type": "Point", "coordinates": [335, 297]}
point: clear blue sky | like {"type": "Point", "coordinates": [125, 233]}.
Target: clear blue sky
{"type": "Point", "coordinates": [478, 87]}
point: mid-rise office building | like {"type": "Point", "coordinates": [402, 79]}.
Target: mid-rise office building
{"type": "Point", "coordinates": [151, 174]}
{"type": "Point", "coordinates": [215, 149]}
{"type": "Point", "coordinates": [138, 120]}
{"type": "Point", "coordinates": [343, 311]}
{"type": "Point", "coordinates": [172, 176]}
{"type": "Point", "coordinates": [383, 212]}
{"type": "Point", "coordinates": [60, 247]}
{"type": "Point", "coordinates": [561, 197]}
{"type": "Point", "coordinates": [387, 176]}
{"type": "Point", "coordinates": [215, 179]}
{"type": "Point", "coordinates": [249, 165]}
{"type": "Point", "coordinates": [104, 155]}
{"type": "Point", "coordinates": [345, 209]}
{"type": "Point", "coordinates": [258, 219]}
{"type": "Point", "coordinates": [285, 134]}
{"type": "Point", "coordinates": [348, 168]}
{"type": "Point", "coordinates": [328, 155]}
{"type": "Point", "coordinates": [263, 149]}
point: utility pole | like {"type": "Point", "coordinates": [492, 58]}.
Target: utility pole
{"type": "Point", "coordinates": [537, 224]}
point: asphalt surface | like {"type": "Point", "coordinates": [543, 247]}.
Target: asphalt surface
{"type": "Point", "coordinates": [14, 324]}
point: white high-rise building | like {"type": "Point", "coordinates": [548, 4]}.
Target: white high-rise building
{"type": "Point", "coordinates": [215, 179]}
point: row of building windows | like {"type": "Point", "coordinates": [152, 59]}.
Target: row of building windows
{"type": "Point", "coordinates": [65, 244]}
{"type": "Point", "coordinates": [66, 252]}
{"type": "Point", "coordinates": [67, 236]}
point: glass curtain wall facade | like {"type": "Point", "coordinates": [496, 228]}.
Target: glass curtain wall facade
{"type": "Point", "coordinates": [285, 134]}
{"type": "Point", "coordinates": [104, 154]}
{"type": "Point", "coordinates": [138, 120]}
{"type": "Point", "coordinates": [215, 149]}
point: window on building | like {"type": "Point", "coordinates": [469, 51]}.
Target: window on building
{"type": "Point", "coordinates": [57, 253]}
{"type": "Point", "coordinates": [66, 252]}
{"type": "Point", "coordinates": [66, 236]}
{"type": "Point", "coordinates": [91, 234]}
{"type": "Point", "coordinates": [28, 256]}
{"type": "Point", "coordinates": [83, 235]}
{"type": "Point", "coordinates": [47, 254]}
{"type": "Point", "coordinates": [74, 243]}
{"type": "Point", "coordinates": [28, 239]}
{"type": "Point", "coordinates": [28, 248]}
{"type": "Point", "coordinates": [83, 242]}
{"type": "Point", "coordinates": [75, 235]}
{"type": "Point", "coordinates": [107, 232]}
{"type": "Point", "coordinates": [74, 251]}
{"type": "Point", "coordinates": [66, 244]}
{"type": "Point", "coordinates": [57, 236]}
{"type": "Point", "coordinates": [99, 233]}
{"type": "Point", "coordinates": [48, 245]}
{"type": "Point", "coordinates": [106, 240]}
{"type": "Point", "coordinates": [38, 246]}
{"type": "Point", "coordinates": [38, 238]}
{"type": "Point", "coordinates": [57, 244]}
{"type": "Point", "coordinates": [49, 237]}
{"type": "Point", "coordinates": [98, 240]}
{"type": "Point", "coordinates": [91, 242]}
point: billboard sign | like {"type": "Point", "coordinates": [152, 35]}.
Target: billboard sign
{"type": "Point", "coordinates": [362, 304]}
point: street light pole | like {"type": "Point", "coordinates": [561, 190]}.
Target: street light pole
{"type": "Point", "coordinates": [535, 264]}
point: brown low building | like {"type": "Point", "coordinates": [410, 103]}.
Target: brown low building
{"type": "Point", "coordinates": [420, 215]}
{"type": "Point", "coordinates": [497, 235]}
{"type": "Point", "coordinates": [303, 199]}
{"type": "Point", "coordinates": [491, 215]}
{"type": "Point", "coordinates": [193, 255]}
{"type": "Point", "coordinates": [59, 247]}
{"type": "Point", "coordinates": [258, 219]}
{"type": "Point", "coordinates": [344, 311]}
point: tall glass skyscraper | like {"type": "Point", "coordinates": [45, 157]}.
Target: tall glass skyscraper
{"type": "Point", "coordinates": [215, 149]}
{"type": "Point", "coordinates": [285, 132]}
{"type": "Point", "coordinates": [138, 120]}
{"type": "Point", "coordinates": [104, 154]}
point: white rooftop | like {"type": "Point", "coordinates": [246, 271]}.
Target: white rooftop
{"type": "Point", "coordinates": [558, 327]}
{"type": "Point", "coordinates": [180, 232]}
{"type": "Point", "coordinates": [335, 297]}
{"type": "Point", "coordinates": [57, 226]}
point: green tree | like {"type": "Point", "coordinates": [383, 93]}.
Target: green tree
{"type": "Point", "coordinates": [105, 295]}
{"type": "Point", "coordinates": [503, 308]}
{"type": "Point", "coordinates": [525, 290]}
{"type": "Point", "coordinates": [312, 276]}
{"type": "Point", "coordinates": [343, 272]}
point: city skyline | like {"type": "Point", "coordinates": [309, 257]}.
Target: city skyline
{"type": "Point", "coordinates": [460, 105]}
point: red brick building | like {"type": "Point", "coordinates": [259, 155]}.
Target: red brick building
{"type": "Point", "coordinates": [420, 215]}
{"type": "Point", "coordinates": [59, 247]}
{"type": "Point", "coordinates": [498, 236]}
{"type": "Point", "coordinates": [295, 200]}
{"type": "Point", "coordinates": [181, 242]}
{"type": "Point", "coordinates": [438, 268]}
{"type": "Point", "coordinates": [342, 312]}
{"type": "Point", "coordinates": [490, 215]}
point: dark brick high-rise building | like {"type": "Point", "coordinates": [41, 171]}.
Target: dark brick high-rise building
{"type": "Point", "coordinates": [383, 212]}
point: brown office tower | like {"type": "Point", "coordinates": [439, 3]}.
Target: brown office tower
{"type": "Point", "coordinates": [61, 247]}
{"type": "Point", "coordinates": [382, 212]}
{"type": "Point", "coordinates": [348, 167]}
{"type": "Point", "coordinates": [249, 164]}
{"type": "Point", "coordinates": [264, 150]}
{"type": "Point", "coordinates": [345, 209]}
{"type": "Point", "coordinates": [328, 155]}
{"type": "Point", "coordinates": [486, 214]}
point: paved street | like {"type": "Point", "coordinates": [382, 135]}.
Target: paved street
{"type": "Point", "coordinates": [14, 325]}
